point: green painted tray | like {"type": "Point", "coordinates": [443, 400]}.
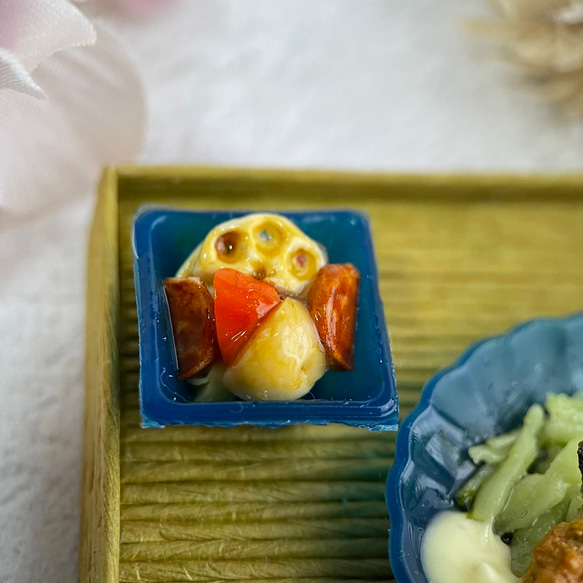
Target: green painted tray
{"type": "Point", "coordinates": [459, 258]}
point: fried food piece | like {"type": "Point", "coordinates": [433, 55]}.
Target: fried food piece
{"type": "Point", "coordinates": [193, 323]}
{"type": "Point", "coordinates": [332, 303]}
{"type": "Point", "coordinates": [558, 557]}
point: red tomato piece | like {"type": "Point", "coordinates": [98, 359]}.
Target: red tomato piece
{"type": "Point", "coordinates": [241, 303]}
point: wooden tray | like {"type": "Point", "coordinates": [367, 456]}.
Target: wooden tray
{"type": "Point", "coordinates": [459, 258]}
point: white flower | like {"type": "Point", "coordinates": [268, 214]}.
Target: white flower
{"type": "Point", "coordinates": [71, 102]}
{"type": "Point", "coordinates": [30, 32]}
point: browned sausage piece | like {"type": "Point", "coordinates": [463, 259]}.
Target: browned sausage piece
{"type": "Point", "coordinates": [332, 302]}
{"type": "Point", "coordinates": [558, 557]}
{"type": "Point", "coordinates": [193, 322]}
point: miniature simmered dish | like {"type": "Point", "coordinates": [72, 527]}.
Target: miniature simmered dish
{"type": "Point", "coordinates": [258, 300]}
{"type": "Point", "coordinates": [232, 310]}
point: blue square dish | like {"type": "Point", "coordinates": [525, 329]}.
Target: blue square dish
{"type": "Point", "coordinates": [487, 392]}
{"type": "Point", "coordinates": [364, 397]}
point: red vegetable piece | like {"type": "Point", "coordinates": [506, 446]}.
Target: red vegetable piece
{"type": "Point", "coordinates": [332, 303]}
{"type": "Point", "coordinates": [241, 303]}
{"type": "Point", "coordinates": [193, 324]}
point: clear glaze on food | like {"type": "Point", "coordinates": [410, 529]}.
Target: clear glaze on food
{"type": "Point", "coordinates": [281, 315]}
{"type": "Point", "coordinates": [526, 492]}
{"type": "Point", "coordinates": [265, 246]}
{"type": "Point", "coordinates": [284, 359]}
{"type": "Point", "coordinates": [558, 557]}
{"type": "Point", "coordinates": [457, 549]}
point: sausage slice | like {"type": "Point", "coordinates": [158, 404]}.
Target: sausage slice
{"type": "Point", "coordinates": [193, 323]}
{"type": "Point", "coordinates": [332, 303]}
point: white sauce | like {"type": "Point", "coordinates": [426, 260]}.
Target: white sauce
{"type": "Point", "coordinates": [457, 549]}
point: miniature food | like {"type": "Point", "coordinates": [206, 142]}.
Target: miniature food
{"type": "Point", "coordinates": [267, 310]}
{"type": "Point", "coordinates": [529, 482]}
{"type": "Point", "coordinates": [457, 549]}
{"type": "Point", "coordinates": [192, 313]}
{"type": "Point", "coordinates": [331, 302]}
{"type": "Point", "coordinates": [263, 246]}
{"type": "Point", "coordinates": [558, 557]}
{"type": "Point", "coordinates": [283, 360]}
{"type": "Point", "coordinates": [241, 304]}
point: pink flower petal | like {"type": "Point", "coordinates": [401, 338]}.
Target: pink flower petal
{"type": "Point", "coordinates": [54, 150]}
{"type": "Point", "coordinates": [35, 29]}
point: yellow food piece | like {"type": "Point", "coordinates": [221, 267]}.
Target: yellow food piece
{"type": "Point", "coordinates": [282, 361]}
{"type": "Point", "coordinates": [264, 246]}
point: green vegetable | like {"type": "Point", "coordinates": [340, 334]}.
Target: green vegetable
{"type": "Point", "coordinates": [565, 419]}
{"type": "Point", "coordinates": [495, 449]}
{"type": "Point", "coordinates": [536, 494]}
{"type": "Point", "coordinates": [525, 539]}
{"type": "Point", "coordinates": [545, 458]}
{"type": "Point", "coordinates": [524, 488]}
{"type": "Point", "coordinates": [494, 493]}
{"type": "Point", "coordinates": [465, 496]}
{"type": "Point", "coordinates": [575, 503]}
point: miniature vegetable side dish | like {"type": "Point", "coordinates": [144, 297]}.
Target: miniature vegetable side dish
{"type": "Point", "coordinates": [260, 319]}
{"type": "Point", "coordinates": [523, 505]}
{"type": "Point", "coordinates": [489, 457]}
{"type": "Point", "coordinates": [258, 302]}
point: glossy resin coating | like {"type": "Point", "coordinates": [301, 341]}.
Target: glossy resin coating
{"type": "Point", "coordinates": [364, 397]}
{"type": "Point", "coordinates": [485, 393]}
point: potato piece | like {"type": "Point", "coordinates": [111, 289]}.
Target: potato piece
{"type": "Point", "coordinates": [332, 302]}
{"type": "Point", "coordinates": [282, 360]}
{"type": "Point", "coordinates": [193, 323]}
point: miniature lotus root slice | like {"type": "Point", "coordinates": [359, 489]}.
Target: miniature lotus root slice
{"type": "Point", "coordinates": [264, 246]}
{"type": "Point", "coordinates": [282, 360]}
{"type": "Point", "coordinates": [193, 324]}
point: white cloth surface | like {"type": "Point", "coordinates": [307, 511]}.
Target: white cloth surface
{"type": "Point", "coordinates": [289, 83]}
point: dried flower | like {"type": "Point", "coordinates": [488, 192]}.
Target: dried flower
{"type": "Point", "coordinates": [545, 39]}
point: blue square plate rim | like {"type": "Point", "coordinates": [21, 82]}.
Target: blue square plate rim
{"type": "Point", "coordinates": [399, 559]}
{"type": "Point", "coordinates": [380, 413]}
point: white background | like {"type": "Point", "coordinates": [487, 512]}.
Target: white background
{"type": "Point", "coordinates": [369, 84]}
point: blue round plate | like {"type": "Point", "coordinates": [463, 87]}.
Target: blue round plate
{"type": "Point", "coordinates": [486, 392]}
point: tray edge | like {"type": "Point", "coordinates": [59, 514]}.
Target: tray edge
{"type": "Point", "coordinates": [100, 511]}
